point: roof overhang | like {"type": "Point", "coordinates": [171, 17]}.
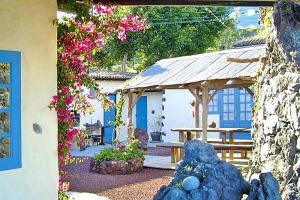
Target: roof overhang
{"type": "Point", "coordinates": [189, 2]}
{"type": "Point", "coordinates": [233, 68]}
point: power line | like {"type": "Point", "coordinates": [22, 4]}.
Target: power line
{"type": "Point", "coordinates": [182, 22]}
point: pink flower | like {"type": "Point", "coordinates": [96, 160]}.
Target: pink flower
{"type": "Point", "coordinates": [104, 9]}
{"type": "Point", "coordinates": [90, 27]}
{"type": "Point", "coordinates": [69, 100]}
{"type": "Point", "coordinates": [121, 34]}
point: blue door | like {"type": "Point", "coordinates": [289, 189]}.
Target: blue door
{"type": "Point", "coordinates": [109, 117]}
{"type": "Point", "coordinates": [236, 110]}
{"type": "Point", "coordinates": [141, 113]}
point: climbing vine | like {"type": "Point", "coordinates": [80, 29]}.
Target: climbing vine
{"type": "Point", "coordinates": [79, 38]}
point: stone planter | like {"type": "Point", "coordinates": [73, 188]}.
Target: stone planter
{"type": "Point", "coordinates": [117, 167]}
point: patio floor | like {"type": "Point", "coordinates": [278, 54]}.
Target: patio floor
{"type": "Point", "coordinates": [89, 151]}
{"type": "Point", "coordinates": [157, 157]}
{"type": "Point", "coordinates": [159, 162]}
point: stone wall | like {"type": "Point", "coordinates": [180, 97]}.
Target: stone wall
{"type": "Point", "coordinates": [277, 110]}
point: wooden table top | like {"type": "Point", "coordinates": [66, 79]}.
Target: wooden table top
{"type": "Point", "coordinates": [212, 129]}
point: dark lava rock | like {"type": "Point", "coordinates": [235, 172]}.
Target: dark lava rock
{"type": "Point", "coordinates": [266, 188]}
{"type": "Point", "coordinates": [142, 136]}
{"type": "Point", "coordinates": [117, 167]}
{"type": "Point", "coordinates": [218, 180]}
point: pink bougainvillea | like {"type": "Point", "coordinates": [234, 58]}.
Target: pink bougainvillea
{"type": "Point", "coordinates": [78, 40]}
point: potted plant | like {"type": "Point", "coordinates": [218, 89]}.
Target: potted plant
{"type": "Point", "coordinates": [156, 130]}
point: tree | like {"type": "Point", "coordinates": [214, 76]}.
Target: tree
{"type": "Point", "coordinates": [172, 32]}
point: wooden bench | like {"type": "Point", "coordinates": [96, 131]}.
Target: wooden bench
{"type": "Point", "coordinates": [244, 152]}
{"type": "Point", "coordinates": [219, 141]}
{"type": "Point", "coordinates": [177, 150]}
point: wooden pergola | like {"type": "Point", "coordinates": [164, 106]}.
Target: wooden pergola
{"type": "Point", "coordinates": [203, 75]}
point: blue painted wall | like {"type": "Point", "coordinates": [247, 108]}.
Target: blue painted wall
{"type": "Point", "coordinates": [141, 113]}
{"type": "Point", "coordinates": [235, 110]}
{"type": "Point", "coordinates": [109, 116]}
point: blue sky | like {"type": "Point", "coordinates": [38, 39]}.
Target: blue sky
{"type": "Point", "coordinates": [246, 17]}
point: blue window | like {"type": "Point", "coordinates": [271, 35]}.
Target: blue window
{"type": "Point", "coordinates": [213, 106]}
{"type": "Point", "coordinates": [10, 110]}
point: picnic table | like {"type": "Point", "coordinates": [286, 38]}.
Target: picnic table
{"type": "Point", "coordinates": [224, 145]}
{"type": "Point", "coordinates": [223, 131]}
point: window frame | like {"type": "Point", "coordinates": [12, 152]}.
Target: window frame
{"type": "Point", "coordinates": [14, 161]}
{"type": "Point", "coordinates": [214, 102]}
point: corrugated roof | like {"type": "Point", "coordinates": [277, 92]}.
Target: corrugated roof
{"type": "Point", "coordinates": [199, 68]}
{"type": "Point", "coordinates": [256, 40]}
{"type": "Point", "coordinates": [110, 75]}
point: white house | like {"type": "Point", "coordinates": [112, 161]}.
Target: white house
{"type": "Point", "coordinates": [109, 82]}
{"type": "Point", "coordinates": [231, 105]}
{"type": "Point", "coordinates": [163, 109]}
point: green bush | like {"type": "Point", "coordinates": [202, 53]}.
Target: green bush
{"type": "Point", "coordinates": [62, 196]}
{"type": "Point", "coordinates": [130, 151]}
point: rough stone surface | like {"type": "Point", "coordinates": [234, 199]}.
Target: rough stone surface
{"type": "Point", "coordinates": [142, 136]}
{"type": "Point", "coordinates": [276, 115]}
{"type": "Point", "coordinates": [287, 23]}
{"type": "Point", "coordinates": [266, 188]}
{"type": "Point", "coordinates": [218, 180]}
{"type": "Point", "coordinates": [117, 167]}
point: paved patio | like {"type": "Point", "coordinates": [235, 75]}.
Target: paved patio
{"type": "Point", "coordinates": [159, 162]}
{"type": "Point", "coordinates": [85, 196]}
{"type": "Point", "coordinates": [89, 151]}
{"type": "Point", "coordinates": [151, 161]}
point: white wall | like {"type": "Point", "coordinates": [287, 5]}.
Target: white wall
{"type": "Point", "coordinates": [27, 26]}
{"type": "Point", "coordinates": [98, 114]}
{"type": "Point", "coordinates": [178, 113]}
{"type": "Point", "coordinates": [154, 103]}
{"type": "Point", "coordinates": [153, 100]}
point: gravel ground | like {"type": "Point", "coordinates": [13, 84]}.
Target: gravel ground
{"type": "Point", "coordinates": [139, 191]}
{"type": "Point", "coordinates": [137, 186]}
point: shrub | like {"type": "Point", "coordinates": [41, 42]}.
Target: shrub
{"type": "Point", "coordinates": [130, 151]}
{"type": "Point", "coordinates": [62, 195]}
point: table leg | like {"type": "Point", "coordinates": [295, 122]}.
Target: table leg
{"type": "Point", "coordinates": [177, 155]}
{"type": "Point", "coordinates": [181, 153]}
{"type": "Point", "coordinates": [173, 153]}
{"type": "Point", "coordinates": [181, 136]}
{"type": "Point", "coordinates": [223, 152]}
{"type": "Point", "coordinates": [244, 154]}
{"type": "Point", "coordinates": [231, 141]}
{"type": "Point", "coordinates": [189, 135]}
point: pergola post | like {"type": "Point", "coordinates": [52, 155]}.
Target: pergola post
{"type": "Point", "coordinates": [129, 116]}
{"type": "Point", "coordinates": [196, 94]}
{"type": "Point", "coordinates": [197, 113]}
{"type": "Point", "coordinates": [205, 101]}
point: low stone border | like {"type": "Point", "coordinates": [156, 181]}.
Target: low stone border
{"type": "Point", "coordinates": [117, 167]}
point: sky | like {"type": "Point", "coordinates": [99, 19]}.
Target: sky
{"type": "Point", "coordinates": [246, 17]}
